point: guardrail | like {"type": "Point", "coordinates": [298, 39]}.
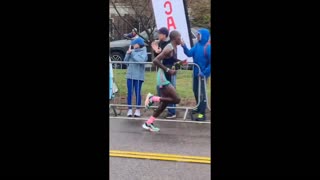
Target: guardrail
{"type": "Point", "coordinates": [182, 80]}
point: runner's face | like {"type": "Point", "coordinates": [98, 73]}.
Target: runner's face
{"type": "Point", "coordinates": [136, 46]}
{"type": "Point", "coordinates": [178, 39]}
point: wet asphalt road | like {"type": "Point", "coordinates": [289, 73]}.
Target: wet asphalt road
{"type": "Point", "coordinates": [178, 138]}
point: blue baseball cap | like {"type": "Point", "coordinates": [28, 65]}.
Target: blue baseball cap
{"type": "Point", "coordinates": [138, 40]}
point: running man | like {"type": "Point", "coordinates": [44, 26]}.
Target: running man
{"type": "Point", "coordinates": [158, 45]}
{"type": "Point", "coordinates": [167, 91]}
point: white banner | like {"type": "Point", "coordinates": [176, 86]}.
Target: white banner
{"type": "Point", "coordinates": [171, 14]}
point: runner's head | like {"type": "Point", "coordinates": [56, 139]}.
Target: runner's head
{"type": "Point", "coordinates": [175, 37]}
{"type": "Point", "coordinates": [163, 33]}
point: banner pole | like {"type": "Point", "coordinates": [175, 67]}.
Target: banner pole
{"type": "Point", "coordinates": [188, 22]}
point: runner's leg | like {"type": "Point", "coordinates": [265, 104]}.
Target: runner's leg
{"type": "Point", "coordinates": [169, 96]}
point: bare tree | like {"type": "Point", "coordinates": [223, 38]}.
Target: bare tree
{"type": "Point", "coordinates": [142, 13]}
{"type": "Point", "coordinates": [200, 12]}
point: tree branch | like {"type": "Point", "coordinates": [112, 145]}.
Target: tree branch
{"type": "Point", "coordinates": [114, 6]}
{"type": "Point", "coordinates": [141, 15]}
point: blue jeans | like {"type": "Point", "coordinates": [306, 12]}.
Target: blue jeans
{"type": "Point", "coordinates": [172, 80]}
{"type": "Point", "coordinates": [136, 86]}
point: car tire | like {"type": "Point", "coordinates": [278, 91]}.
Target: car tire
{"type": "Point", "coordinates": [118, 56]}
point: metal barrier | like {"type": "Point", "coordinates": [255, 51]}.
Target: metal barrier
{"type": "Point", "coordinates": [119, 69]}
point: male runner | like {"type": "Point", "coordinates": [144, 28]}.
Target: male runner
{"type": "Point", "coordinates": [158, 45]}
{"type": "Point", "coordinates": [167, 91]}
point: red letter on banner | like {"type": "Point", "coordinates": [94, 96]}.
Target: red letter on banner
{"type": "Point", "coordinates": [170, 7]}
{"type": "Point", "coordinates": [171, 23]}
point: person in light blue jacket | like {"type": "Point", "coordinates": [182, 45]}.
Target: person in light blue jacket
{"type": "Point", "coordinates": [135, 73]}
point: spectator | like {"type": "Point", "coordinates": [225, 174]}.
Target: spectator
{"type": "Point", "coordinates": [110, 79]}
{"type": "Point", "coordinates": [201, 54]}
{"type": "Point", "coordinates": [158, 45]}
{"type": "Point", "coordinates": [135, 73]}
{"type": "Point", "coordinates": [133, 35]}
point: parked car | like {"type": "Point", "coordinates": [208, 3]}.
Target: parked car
{"type": "Point", "coordinates": [119, 48]}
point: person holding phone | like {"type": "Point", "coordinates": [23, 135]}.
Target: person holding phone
{"type": "Point", "coordinates": [137, 52]}
{"type": "Point", "coordinates": [133, 35]}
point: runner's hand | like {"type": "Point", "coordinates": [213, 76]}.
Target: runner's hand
{"type": "Point", "coordinates": [172, 72]}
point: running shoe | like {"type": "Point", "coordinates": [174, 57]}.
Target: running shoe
{"type": "Point", "coordinates": [201, 117]}
{"type": "Point", "coordinates": [150, 127]}
{"type": "Point", "coordinates": [148, 101]}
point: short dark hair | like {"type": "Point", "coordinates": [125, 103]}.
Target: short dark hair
{"type": "Point", "coordinates": [164, 31]}
{"type": "Point", "coordinates": [174, 34]}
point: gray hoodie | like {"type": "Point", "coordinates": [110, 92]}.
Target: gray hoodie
{"type": "Point", "coordinates": [136, 71]}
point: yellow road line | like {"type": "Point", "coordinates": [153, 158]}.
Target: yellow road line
{"type": "Point", "coordinates": [157, 156]}
{"type": "Point", "coordinates": [160, 155]}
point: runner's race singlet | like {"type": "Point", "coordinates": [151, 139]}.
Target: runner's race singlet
{"type": "Point", "coordinates": [162, 77]}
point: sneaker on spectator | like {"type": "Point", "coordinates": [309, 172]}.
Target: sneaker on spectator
{"type": "Point", "coordinates": [137, 113]}
{"type": "Point", "coordinates": [171, 116]}
{"type": "Point", "coordinates": [129, 114]}
{"type": "Point", "coordinates": [201, 117]}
